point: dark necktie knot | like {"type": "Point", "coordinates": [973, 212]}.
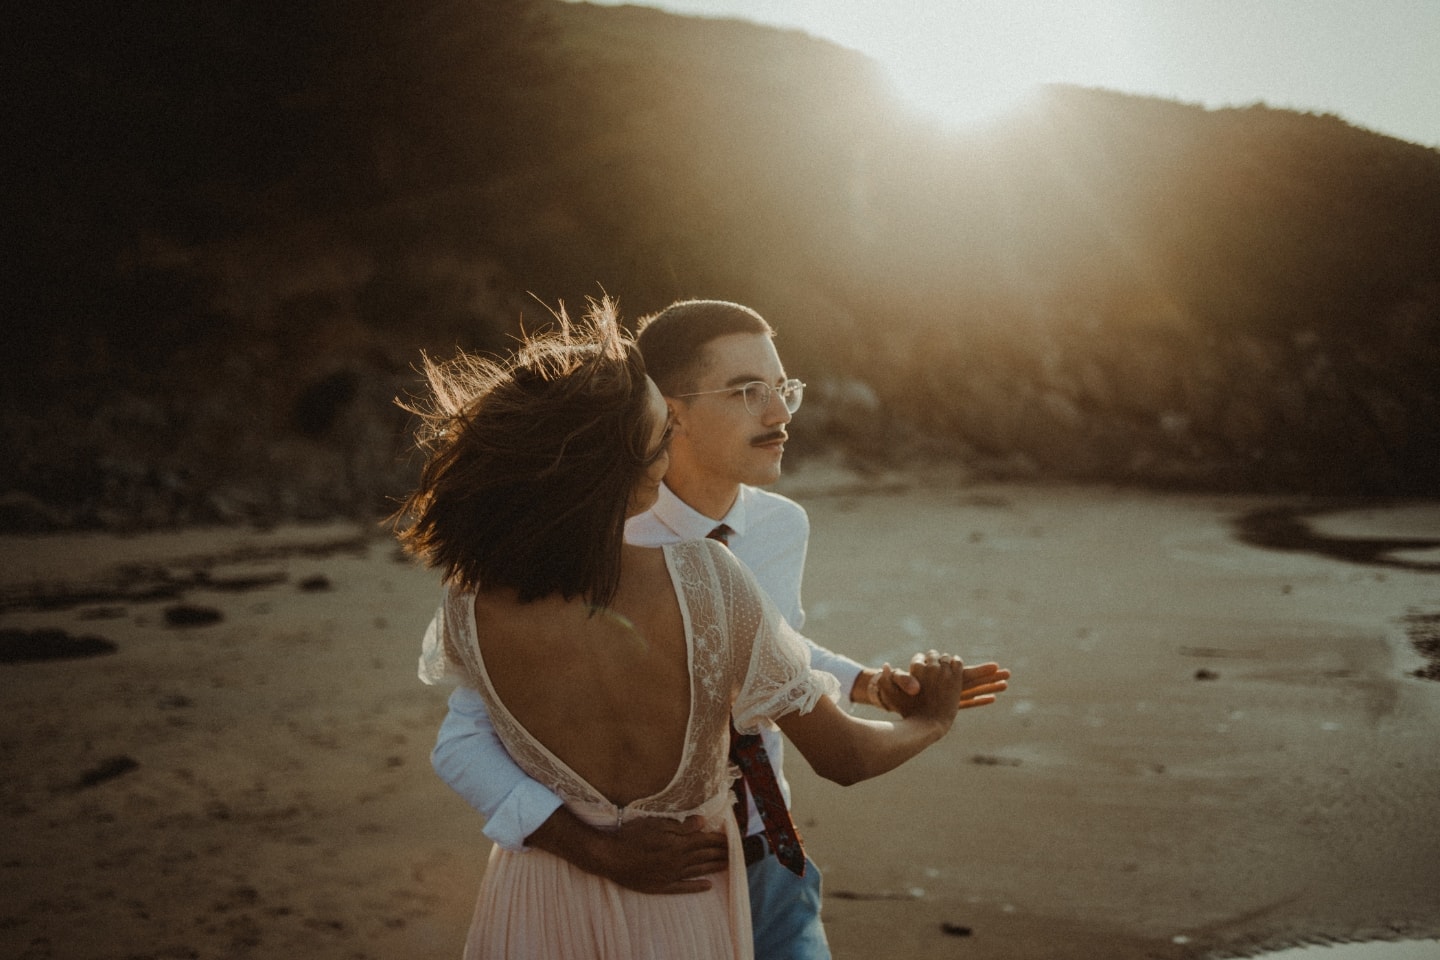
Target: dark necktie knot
{"type": "Point", "coordinates": [721, 533]}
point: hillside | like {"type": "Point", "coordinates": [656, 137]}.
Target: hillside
{"type": "Point", "coordinates": [239, 228]}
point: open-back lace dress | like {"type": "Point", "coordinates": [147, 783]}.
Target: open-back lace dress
{"type": "Point", "coordinates": [743, 659]}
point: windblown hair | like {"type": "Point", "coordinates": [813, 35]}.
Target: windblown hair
{"type": "Point", "coordinates": [531, 462]}
{"type": "Point", "coordinates": [674, 339]}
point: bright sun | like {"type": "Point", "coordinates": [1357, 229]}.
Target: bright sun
{"type": "Point", "coordinates": [955, 102]}
{"type": "Point", "coordinates": [965, 63]}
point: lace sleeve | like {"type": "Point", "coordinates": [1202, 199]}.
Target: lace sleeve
{"type": "Point", "coordinates": [777, 676]}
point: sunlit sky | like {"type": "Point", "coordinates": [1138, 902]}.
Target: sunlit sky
{"type": "Point", "coordinates": [1375, 63]}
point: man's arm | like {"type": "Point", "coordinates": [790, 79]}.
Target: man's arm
{"type": "Point", "coordinates": [648, 854]}
{"type": "Point", "coordinates": [653, 855]}
{"type": "Point", "coordinates": [472, 761]}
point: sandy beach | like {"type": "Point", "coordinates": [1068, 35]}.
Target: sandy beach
{"type": "Point", "coordinates": [1215, 742]}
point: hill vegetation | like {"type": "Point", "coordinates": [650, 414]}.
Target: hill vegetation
{"type": "Point", "coordinates": [240, 223]}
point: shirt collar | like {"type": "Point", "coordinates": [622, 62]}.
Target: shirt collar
{"type": "Point", "coordinates": [689, 523]}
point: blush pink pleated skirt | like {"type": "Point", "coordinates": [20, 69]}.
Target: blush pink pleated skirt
{"type": "Point", "coordinates": [536, 905]}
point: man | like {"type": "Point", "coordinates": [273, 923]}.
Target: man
{"type": "Point", "coordinates": [730, 402]}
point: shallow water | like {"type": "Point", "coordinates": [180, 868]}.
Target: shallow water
{"type": "Point", "coordinates": [1383, 950]}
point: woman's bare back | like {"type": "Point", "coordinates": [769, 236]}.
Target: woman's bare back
{"type": "Point", "coordinates": [608, 692]}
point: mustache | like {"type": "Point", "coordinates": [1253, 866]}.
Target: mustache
{"type": "Point", "coordinates": [770, 437]}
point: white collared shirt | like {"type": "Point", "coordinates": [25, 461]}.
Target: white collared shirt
{"type": "Point", "coordinates": [770, 534]}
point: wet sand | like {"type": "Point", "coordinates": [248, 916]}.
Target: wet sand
{"type": "Point", "coordinates": [1214, 744]}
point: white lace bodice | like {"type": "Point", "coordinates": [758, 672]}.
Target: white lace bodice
{"type": "Point", "coordinates": [743, 657]}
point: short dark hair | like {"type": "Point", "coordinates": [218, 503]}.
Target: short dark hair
{"type": "Point", "coordinates": [673, 340]}
{"type": "Point", "coordinates": [531, 462]}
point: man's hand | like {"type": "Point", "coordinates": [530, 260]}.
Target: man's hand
{"type": "Point", "coordinates": [896, 690]}
{"type": "Point", "coordinates": [648, 854]}
{"type": "Point", "coordinates": [982, 683]}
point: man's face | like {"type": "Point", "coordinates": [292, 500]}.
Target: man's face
{"type": "Point", "coordinates": [716, 439]}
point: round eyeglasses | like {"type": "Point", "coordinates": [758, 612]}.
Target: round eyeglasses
{"type": "Point", "coordinates": [757, 395]}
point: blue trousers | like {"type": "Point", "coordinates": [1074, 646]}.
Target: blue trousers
{"type": "Point", "coordinates": [785, 911]}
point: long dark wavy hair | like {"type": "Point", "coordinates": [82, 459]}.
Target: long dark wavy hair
{"type": "Point", "coordinates": [530, 461]}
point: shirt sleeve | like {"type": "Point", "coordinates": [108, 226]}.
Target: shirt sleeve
{"type": "Point", "coordinates": [774, 550]}
{"type": "Point", "coordinates": [472, 761]}
{"type": "Point", "coordinates": [845, 670]}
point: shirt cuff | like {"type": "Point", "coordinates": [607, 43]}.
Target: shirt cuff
{"type": "Point", "coordinates": [842, 667]}
{"type": "Point", "coordinates": [847, 674]}
{"type": "Point", "coordinates": [526, 808]}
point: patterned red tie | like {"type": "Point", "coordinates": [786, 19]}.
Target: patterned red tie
{"type": "Point", "coordinates": [747, 751]}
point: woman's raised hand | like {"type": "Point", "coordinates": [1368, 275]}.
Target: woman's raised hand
{"type": "Point", "coordinates": [942, 684]}
{"type": "Point", "coordinates": [980, 684]}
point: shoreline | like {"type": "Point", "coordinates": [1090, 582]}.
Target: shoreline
{"type": "Point", "coordinates": [1199, 731]}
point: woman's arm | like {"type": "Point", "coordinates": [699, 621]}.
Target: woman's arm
{"type": "Point", "coordinates": [848, 749]}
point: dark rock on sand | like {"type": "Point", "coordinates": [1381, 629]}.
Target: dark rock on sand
{"type": "Point", "coordinates": [987, 760]}
{"type": "Point", "coordinates": [240, 584]}
{"type": "Point", "coordinates": [1424, 632]}
{"type": "Point", "coordinates": [185, 615]}
{"type": "Point", "coordinates": [103, 613]}
{"type": "Point", "coordinates": [106, 770]}
{"type": "Point", "coordinates": [33, 646]}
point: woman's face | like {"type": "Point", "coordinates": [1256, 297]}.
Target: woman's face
{"type": "Point", "coordinates": [647, 488]}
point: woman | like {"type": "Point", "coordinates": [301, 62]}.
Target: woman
{"type": "Point", "coordinates": [612, 671]}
